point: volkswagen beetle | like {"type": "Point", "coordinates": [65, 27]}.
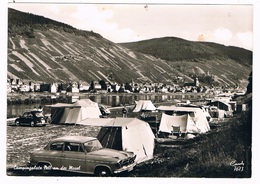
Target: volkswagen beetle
{"type": "Point", "coordinates": [31, 118]}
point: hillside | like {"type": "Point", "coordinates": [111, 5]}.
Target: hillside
{"type": "Point", "coordinates": [177, 49]}
{"type": "Point", "coordinates": [45, 50]}
{"type": "Point", "coordinates": [227, 63]}
{"type": "Point", "coordinates": [41, 49]}
{"type": "Point", "coordinates": [20, 23]}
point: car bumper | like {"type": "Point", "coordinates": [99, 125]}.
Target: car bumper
{"type": "Point", "coordinates": [40, 124]}
{"type": "Point", "coordinates": [125, 168]}
{"type": "Point", "coordinates": [43, 123]}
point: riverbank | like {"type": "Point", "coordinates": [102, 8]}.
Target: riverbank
{"type": "Point", "coordinates": [17, 103]}
{"type": "Point", "coordinates": [48, 98]}
{"type": "Point", "coordinates": [32, 98]}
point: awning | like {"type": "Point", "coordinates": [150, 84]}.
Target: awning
{"type": "Point", "coordinates": [96, 121]}
{"type": "Point", "coordinates": [62, 105]}
{"type": "Point", "coordinates": [177, 108]}
{"type": "Point", "coordinates": [116, 122]}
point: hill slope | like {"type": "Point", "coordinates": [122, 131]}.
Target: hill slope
{"type": "Point", "coordinates": [175, 49]}
{"type": "Point", "coordinates": [41, 49]}
{"type": "Point", "coordinates": [228, 64]}
{"type": "Point", "coordinates": [46, 50]}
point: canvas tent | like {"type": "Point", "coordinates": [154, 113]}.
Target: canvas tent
{"type": "Point", "coordinates": [144, 105]}
{"type": "Point", "coordinates": [221, 105]}
{"type": "Point", "coordinates": [196, 114]}
{"type": "Point", "coordinates": [203, 108]}
{"type": "Point", "coordinates": [62, 113]}
{"type": "Point", "coordinates": [184, 122]}
{"type": "Point", "coordinates": [130, 134]}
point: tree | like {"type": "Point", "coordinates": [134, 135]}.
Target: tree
{"type": "Point", "coordinates": [128, 87]}
{"type": "Point", "coordinates": [103, 84]}
{"type": "Point", "coordinates": [250, 84]}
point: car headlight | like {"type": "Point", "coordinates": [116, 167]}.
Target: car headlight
{"type": "Point", "coordinates": [133, 159]}
{"type": "Point", "coordinates": [119, 163]}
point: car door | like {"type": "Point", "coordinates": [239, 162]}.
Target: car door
{"type": "Point", "coordinates": [54, 154]}
{"type": "Point", "coordinates": [73, 157]}
{"type": "Point", "coordinates": [24, 119]}
{"type": "Point", "coordinates": [29, 118]}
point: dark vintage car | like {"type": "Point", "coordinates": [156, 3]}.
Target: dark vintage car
{"type": "Point", "coordinates": [81, 154]}
{"type": "Point", "coordinates": [31, 118]}
{"type": "Point", "coordinates": [104, 110]}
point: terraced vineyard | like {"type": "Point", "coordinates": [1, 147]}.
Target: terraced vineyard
{"type": "Point", "coordinates": [41, 49]}
{"type": "Point", "coordinates": [60, 56]}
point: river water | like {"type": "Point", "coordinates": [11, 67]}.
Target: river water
{"type": "Point", "coordinates": [113, 100]}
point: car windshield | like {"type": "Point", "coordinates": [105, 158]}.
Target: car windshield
{"type": "Point", "coordinates": [92, 145]}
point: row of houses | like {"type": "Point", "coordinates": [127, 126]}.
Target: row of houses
{"type": "Point", "coordinates": [21, 86]}
{"type": "Point", "coordinates": [106, 87]}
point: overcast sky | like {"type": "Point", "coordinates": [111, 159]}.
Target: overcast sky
{"type": "Point", "coordinates": [225, 24]}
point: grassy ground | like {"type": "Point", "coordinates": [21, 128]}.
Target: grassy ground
{"type": "Point", "coordinates": [223, 153]}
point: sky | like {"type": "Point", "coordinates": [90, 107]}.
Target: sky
{"type": "Point", "coordinates": [225, 24]}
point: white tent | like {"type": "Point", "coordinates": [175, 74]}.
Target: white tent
{"type": "Point", "coordinates": [62, 113]}
{"type": "Point", "coordinates": [144, 105]}
{"type": "Point", "coordinates": [196, 114]}
{"type": "Point", "coordinates": [130, 134]}
{"type": "Point", "coordinates": [186, 124]}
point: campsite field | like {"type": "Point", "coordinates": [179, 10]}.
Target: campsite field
{"type": "Point", "coordinates": [22, 140]}
{"type": "Point", "coordinates": [209, 155]}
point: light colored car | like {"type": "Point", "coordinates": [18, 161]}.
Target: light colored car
{"type": "Point", "coordinates": [81, 154]}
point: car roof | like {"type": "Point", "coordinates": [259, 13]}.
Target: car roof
{"type": "Point", "coordinates": [35, 111]}
{"type": "Point", "coordinates": [79, 139]}
{"type": "Point", "coordinates": [26, 111]}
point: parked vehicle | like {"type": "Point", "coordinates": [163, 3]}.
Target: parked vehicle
{"type": "Point", "coordinates": [81, 154]}
{"type": "Point", "coordinates": [104, 111]}
{"type": "Point", "coordinates": [31, 118]}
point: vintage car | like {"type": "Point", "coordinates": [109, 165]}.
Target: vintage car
{"type": "Point", "coordinates": [31, 118]}
{"type": "Point", "coordinates": [81, 154]}
{"type": "Point", "coordinates": [104, 110]}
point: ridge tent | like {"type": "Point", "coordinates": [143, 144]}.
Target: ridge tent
{"type": "Point", "coordinates": [130, 134]}
{"type": "Point", "coordinates": [196, 114]}
{"type": "Point", "coordinates": [184, 122]}
{"type": "Point", "coordinates": [221, 105]}
{"type": "Point", "coordinates": [144, 105]}
{"type": "Point", "coordinates": [62, 113]}
{"type": "Point", "coordinates": [208, 116]}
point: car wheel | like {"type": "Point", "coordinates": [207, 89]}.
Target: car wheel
{"type": "Point", "coordinates": [45, 168]}
{"type": "Point", "coordinates": [103, 171]}
{"type": "Point", "coordinates": [17, 123]}
{"type": "Point", "coordinates": [32, 124]}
